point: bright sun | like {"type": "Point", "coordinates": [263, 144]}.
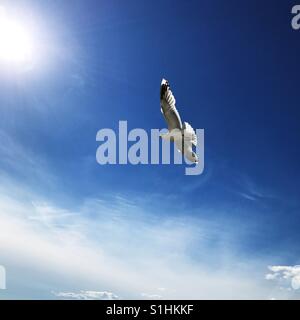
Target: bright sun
{"type": "Point", "coordinates": [16, 44]}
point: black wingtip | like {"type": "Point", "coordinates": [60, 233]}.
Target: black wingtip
{"type": "Point", "coordinates": [164, 88]}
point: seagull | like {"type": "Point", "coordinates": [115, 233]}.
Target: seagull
{"type": "Point", "coordinates": [182, 134]}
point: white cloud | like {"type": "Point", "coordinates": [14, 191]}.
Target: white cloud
{"type": "Point", "coordinates": [271, 276]}
{"type": "Point", "coordinates": [289, 273]}
{"type": "Point", "coordinates": [148, 296]}
{"type": "Point", "coordinates": [87, 295]}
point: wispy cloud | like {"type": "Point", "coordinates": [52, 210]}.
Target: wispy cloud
{"type": "Point", "coordinates": [115, 244]}
{"type": "Point", "coordinates": [22, 163]}
{"type": "Point", "coordinates": [87, 295]}
{"type": "Point", "coordinates": [246, 187]}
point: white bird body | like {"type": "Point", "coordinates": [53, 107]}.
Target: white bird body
{"type": "Point", "coordinates": [183, 135]}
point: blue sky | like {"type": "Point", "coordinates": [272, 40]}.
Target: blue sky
{"type": "Point", "coordinates": [70, 226]}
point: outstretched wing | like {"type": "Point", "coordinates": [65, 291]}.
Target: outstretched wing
{"type": "Point", "coordinates": [168, 108]}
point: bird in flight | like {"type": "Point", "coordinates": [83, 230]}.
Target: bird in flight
{"type": "Point", "coordinates": [182, 134]}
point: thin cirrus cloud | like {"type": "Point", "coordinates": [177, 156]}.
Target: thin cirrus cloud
{"type": "Point", "coordinates": [114, 245]}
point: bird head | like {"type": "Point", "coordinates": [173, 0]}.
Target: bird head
{"type": "Point", "coordinates": [164, 82]}
{"type": "Point", "coordinates": [163, 87]}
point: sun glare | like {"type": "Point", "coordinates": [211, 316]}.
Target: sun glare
{"type": "Point", "coordinates": [16, 43]}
